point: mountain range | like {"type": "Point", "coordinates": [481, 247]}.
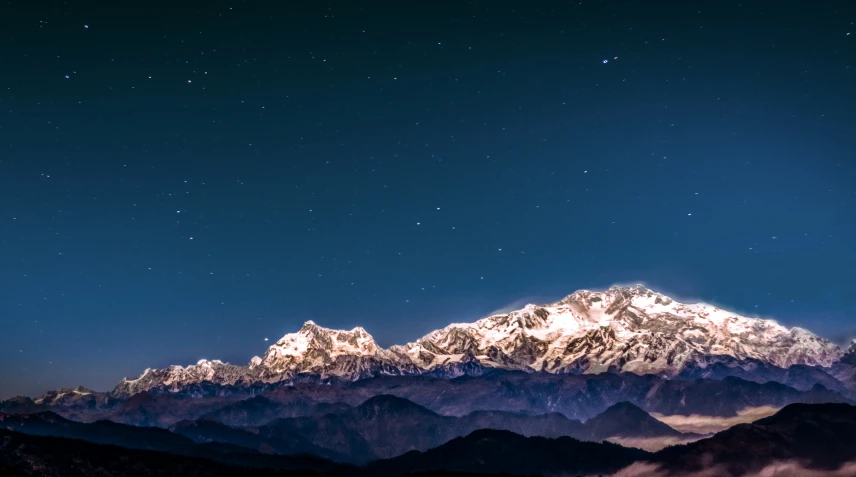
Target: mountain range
{"type": "Point", "coordinates": [619, 330]}
{"type": "Point", "coordinates": [382, 427]}
{"type": "Point", "coordinates": [578, 397]}
{"type": "Point", "coordinates": [577, 357]}
{"type": "Point", "coordinates": [572, 385]}
{"type": "Point", "coordinates": [799, 440]}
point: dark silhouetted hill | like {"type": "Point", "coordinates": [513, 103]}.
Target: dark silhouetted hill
{"type": "Point", "coordinates": [492, 451]}
{"type": "Point", "coordinates": [819, 436]}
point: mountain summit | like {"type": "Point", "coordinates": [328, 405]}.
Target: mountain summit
{"type": "Point", "coordinates": [628, 329]}
{"type": "Point", "coordinates": [314, 348]}
{"type": "Point", "coordinates": [622, 329]}
{"type": "Point", "coordinates": [323, 352]}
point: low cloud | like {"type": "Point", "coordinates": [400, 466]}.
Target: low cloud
{"type": "Point", "coordinates": [792, 469]}
{"type": "Point", "coordinates": [776, 469]}
{"type": "Point", "coordinates": [641, 469]}
{"type": "Point", "coordinates": [651, 444]}
{"type": "Point", "coordinates": [701, 424]}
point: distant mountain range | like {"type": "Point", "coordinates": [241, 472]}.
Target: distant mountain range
{"type": "Point", "coordinates": [577, 357]}
{"type": "Point", "coordinates": [622, 329]}
{"type": "Point", "coordinates": [552, 383]}
{"type": "Point", "coordinates": [575, 396]}
{"type": "Point", "coordinates": [802, 439]}
{"type": "Point", "coordinates": [382, 427]}
{"type": "Point", "coordinates": [387, 426]}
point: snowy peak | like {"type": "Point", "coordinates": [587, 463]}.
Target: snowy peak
{"type": "Point", "coordinates": [313, 347]}
{"type": "Point", "coordinates": [174, 377]}
{"type": "Point", "coordinates": [356, 341]}
{"type": "Point", "coordinates": [313, 338]}
{"type": "Point", "coordinates": [621, 329]}
{"type": "Point", "coordinates": [596, 304]}
{"type": "Point", "coordinates": [614, 296]}
{"type": "Point", "coordinates": [629, 329]}
{"type": "Point", "coordinates": [850, 355]}
{"type": "Point", "coordinates": [65, 395]}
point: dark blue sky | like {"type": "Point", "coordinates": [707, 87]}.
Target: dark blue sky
{"type": "Point", "coordinates": [180, 183]}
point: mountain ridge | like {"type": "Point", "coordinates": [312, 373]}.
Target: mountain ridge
{"type": "Point", "coordinates": [622, 329]}
{"type": "Point", "coordinates": [383, 426]}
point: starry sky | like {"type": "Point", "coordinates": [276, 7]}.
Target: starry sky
{"type": "Point", "coordinates": [179, 183]}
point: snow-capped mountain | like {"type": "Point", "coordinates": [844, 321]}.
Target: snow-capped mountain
{"type": "Point", "coordinates": [629, 329]}
{"type": "Point", "coordinates": [53, 397]}
{"type": "Point", "coordinates": [175, 377]}
{"type": "Point", "coordinates": [325, 352]}
{"type": "Point", "coordinates": [845, 370]}
{"type": "Point", "coordinates": [622, 329]}
{"type": "Point", "coordinates": [850, 356]}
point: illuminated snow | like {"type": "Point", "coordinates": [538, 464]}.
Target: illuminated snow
{"type": "Point", "coordinates": [645, 331]}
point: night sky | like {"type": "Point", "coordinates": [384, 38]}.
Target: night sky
{"type": "Point", "coordinates": [182, 183]}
